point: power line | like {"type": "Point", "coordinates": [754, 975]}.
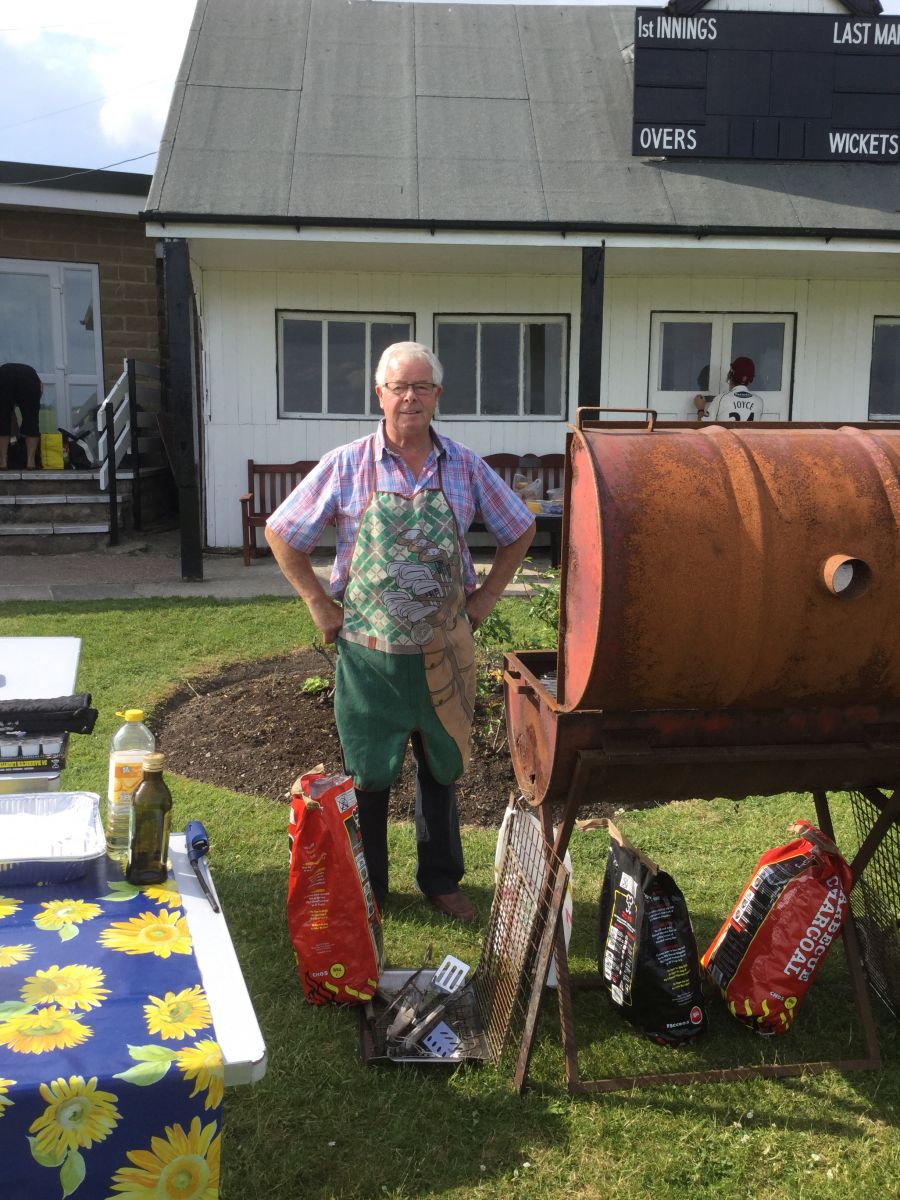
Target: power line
{"type": "Point", "coordinates": [85, 171]}
{"type": "Point", "coordinates": [59, 25]}
{"type": "Point", "coordinates": [81, 104]}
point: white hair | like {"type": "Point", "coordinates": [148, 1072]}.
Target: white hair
{"type": "Point", "coordinates": [409, 350]}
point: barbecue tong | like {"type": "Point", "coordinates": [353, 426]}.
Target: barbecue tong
{"type": "Point", "coordinates": [421, 1012]}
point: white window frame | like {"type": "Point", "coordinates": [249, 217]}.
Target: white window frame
{"type": "Point", "coordinates": [677, 405]}
{"type": "Point", "coordinates": [370, 404]}
{"type": "Point", "coordinates": [879, 416]}
{"type": "Point", "coordinates": [523, 319]}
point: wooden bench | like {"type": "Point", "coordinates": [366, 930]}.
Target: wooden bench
{"type": "Point", "coordinates": [267, 485]}
{"type": "Point", "coordinates": [550, 469]}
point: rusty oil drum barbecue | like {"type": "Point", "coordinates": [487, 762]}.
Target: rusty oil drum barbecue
{"type": "Point", "coordinates": [728, 628]}
{"type": "Point", "coordinates": [728, 616]}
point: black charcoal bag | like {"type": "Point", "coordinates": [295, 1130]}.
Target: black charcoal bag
{"type": "Point", "coordinates": [647, 951]}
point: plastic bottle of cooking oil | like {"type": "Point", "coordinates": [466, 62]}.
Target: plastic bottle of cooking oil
{"type": "Point", "coordinates": [151, 813]}
{"type": "Point", "coordinates": [126, 756]}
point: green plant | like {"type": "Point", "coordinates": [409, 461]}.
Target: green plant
{"type": "Point", "coordinates": [542, 602]}
{"type": "Point", "coordinates": [495, 630]}
{"type": "Point", "coordinates": [314, 685]}
{"type": "Point", "coordinates": [493, 635]}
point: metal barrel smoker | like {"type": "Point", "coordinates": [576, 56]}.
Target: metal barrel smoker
{"type": "Point", "coordinates": [728, 627]}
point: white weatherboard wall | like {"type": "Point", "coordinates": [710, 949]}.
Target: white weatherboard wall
{"type": "Point", "coordinates": [240, 403]}
{"type": "Point", "coordinates": [834, 324]}
{"type": "Point", "coordinates": [834, 356]}
{"type": "Point", "coordinates": [835, 320]}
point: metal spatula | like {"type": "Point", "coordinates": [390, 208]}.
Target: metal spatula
{"type": "Point", "coordinates": [450, 975]}
{"type": "Point", "coordinates": [448, 979]}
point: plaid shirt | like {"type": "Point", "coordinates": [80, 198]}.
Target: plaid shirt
{"type": "Point", "coordinates": [338, 491]}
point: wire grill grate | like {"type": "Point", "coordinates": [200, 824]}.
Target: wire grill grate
{"type": "Point", "coordinates": [875, 901]}
{"type": "Point", "coordinates": [494, 1016]}
{"type": "Point", "coordinates": [523, 913]}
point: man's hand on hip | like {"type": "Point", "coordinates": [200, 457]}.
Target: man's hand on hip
{"type": "Point", "coordinates": [507, 560]}
{"type": "Point", "coordinates": [325, 611]}
{"type": "Point", "coordinates": [328, 616]}
{"type": "Point", "coordinates": [479, 606]}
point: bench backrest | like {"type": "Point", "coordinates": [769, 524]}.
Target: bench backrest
{"type": "Point", "coordinates": [550, 467]}
{"type": "Point", "coordinates": [270, 483]}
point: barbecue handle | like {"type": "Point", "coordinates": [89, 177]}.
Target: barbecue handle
{"type": "Point", "coordinates": [649, 413]}
{"type": "Point", "coordinates": [516, 684]}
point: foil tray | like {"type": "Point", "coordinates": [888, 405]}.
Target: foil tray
{"type": "Point", "coordinates": [48, 837]}
{"type": "Point", "coordinates": [461, 1015]}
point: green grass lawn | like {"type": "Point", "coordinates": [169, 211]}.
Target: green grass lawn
{"type": "Point", "coordinates": [323, 1125]}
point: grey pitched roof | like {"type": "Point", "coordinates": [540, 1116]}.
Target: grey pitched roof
{"type": "Point", "coordinates": [345, 110]}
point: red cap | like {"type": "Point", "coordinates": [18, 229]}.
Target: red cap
{"type": "Point", "coordinates": [743, 369]}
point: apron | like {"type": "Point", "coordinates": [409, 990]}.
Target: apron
{"type": "Point", "coordinates": [406, 655]}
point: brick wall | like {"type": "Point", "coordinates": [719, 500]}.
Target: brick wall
{"type": "Point", "coordinates": [129, 299]}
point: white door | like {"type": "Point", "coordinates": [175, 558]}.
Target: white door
{"type": "Point", "coordinates": [692, 352]}
{"type": "Point", "coordinates": [49, 319]}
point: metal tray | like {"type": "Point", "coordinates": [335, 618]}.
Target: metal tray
{"type": "Point", "coordinates": [48, 837]}
{"type": "Point", "coordinates": [462, 1016]}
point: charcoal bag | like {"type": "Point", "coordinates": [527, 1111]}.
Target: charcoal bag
{"type": "Point", "coordinates": [647, 950]}
{"type": "Point", "coordinates": [333, 919]}
{"type": "Point", "coordinates": [769, 949]}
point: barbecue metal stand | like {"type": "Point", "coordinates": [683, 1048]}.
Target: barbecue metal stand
{"type": "Point", "coordinates": [587, 764]}
{"type": "Point", "coordinates": [788, 534]}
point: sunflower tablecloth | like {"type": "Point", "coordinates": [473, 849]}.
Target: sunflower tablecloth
{"type": "Point", "coordinates": [111, 1079]}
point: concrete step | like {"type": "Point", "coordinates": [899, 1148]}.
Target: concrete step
{"type": "Point", "coordinates": [63, 512]}
{"type": "Point", "coordinates": [37, 483]}
{"type": "Point", "coordinates": [52, 537]}
{"type": "Point", "coordinates": [52, 508]}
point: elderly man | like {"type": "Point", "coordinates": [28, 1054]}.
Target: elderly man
{"type": "Point", "coordinates": [403, 607]}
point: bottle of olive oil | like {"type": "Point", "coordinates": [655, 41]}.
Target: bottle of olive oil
{"type": "Point", "coordinates": [151, 815]}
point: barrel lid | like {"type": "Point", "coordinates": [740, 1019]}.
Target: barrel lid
{"type": "Point", "coordinates": [155, 761]}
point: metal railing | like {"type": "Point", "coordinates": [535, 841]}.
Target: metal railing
{"type": "Point", "coordinates": [128, 425]}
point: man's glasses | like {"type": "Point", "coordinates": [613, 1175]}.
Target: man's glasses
{"type": "Point", "coordinates": [400, 389]}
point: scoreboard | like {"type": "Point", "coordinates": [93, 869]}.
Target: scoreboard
{"type": "Point", "coordinates": [759, 85]}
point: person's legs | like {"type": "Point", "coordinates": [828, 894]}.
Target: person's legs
{"type": "Point", "coordinates": [438, 842]}
{"type": "Point", "coordinates": [6, 416]}
{"type": "Point", "coordinates": [29, 403]}
{"type": "Point", "coordinates": [372, 808]}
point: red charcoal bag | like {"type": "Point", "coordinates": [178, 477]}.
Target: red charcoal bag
{"type": "Point", "coordinates": [333, 919]}
{"type": "Point", "coordinates": [766, 955]}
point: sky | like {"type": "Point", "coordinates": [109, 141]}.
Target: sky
{"type": "Point", "coordinates": [87, 83]}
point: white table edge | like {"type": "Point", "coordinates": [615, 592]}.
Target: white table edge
{"type": "Point", "coordinates": [234, 1018]}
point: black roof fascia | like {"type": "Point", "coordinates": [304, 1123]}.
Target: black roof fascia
{"type": "Point", "coordinates": [75, 179]}
{"type": "Point", "coordinates": [563, 228]}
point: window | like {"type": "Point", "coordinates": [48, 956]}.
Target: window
{"type": "Point", "coordinates": [502, 366]}
{"type": "Point", "coordinates": [326, 362]}
{"type": "Point", "coordinates": [884, 380]}
{"type": "Point", "coordinates": [692, 352]}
